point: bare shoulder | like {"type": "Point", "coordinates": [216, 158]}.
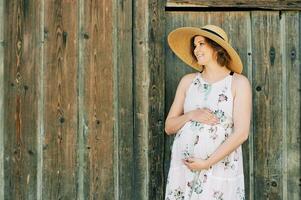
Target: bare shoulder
{"type": "Point", "coordinates": [186, 80]}
{"type": "Point", "coordinates": [241, 83]}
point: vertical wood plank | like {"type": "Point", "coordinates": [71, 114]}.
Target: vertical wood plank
{"type": "Point", "coordinates": [22, 39]}
{"type": "Point", "coordinates": [61, 119]}
{"type": "Point", "coordinates": [98, 100]}
{"type": "Point", "coordinates": [248, 147]}
{"type": "Point", "coordinates": [268, 127]}
{"type": "Point", "coordinates": [291, 65]}
{"type": "Point", "coordinates": [41, 105]}
{"type": "Point", "coordinates": [156, 99]}
{"type": "Point", "coordinates": [115, 102]}
{"type": "Point", "coordinates": [82, 123]}
{"type": "Point", "coordinates": [2, 83]}
{"type": "Point", "coordinates": [284, 101]}
{"type": "Point", "coordinates": [141, 102]}
{"type": "Point", "coordinates": [124, 100]}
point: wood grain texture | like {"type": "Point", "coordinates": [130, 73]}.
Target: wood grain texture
{"type": "Point", "coordinates": [124, 97]}
{"type": "Point", "coordinates": [61, 120]}
{"type": "Point", "coordinates": [2, 130]}
{"type": "Point", "coordinates": [82, 129]}
{"type": "Point", "coordinates": [40, 100]}
{"type": "Point", "coordinates": [21, 39]}
{"type": "Point", "coordinates": [98, 91]}
{"type": "Point", "coordinates": [263, 4]}
{"type": "Point", "coordinates": [268, 102]}
{"type": "Point", "coordinates": [291, 65]}
{"type": "Point", "coordinates": [248, 147]}
{"type": "Point", "coordinates": [156, 99]}
{"type": "Point", "coordinates": [141, 87]}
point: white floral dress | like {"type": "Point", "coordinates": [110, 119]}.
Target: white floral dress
{"type": "Point", "coordinates": [225, 179]}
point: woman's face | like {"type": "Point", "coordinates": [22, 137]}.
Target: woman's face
{"type": "Point", "coordinates": [203, 52]}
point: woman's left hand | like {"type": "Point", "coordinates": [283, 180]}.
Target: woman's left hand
{"type": "Point", "coordinates": [196, 164]}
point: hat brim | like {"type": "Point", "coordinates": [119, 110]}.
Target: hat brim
{"type": "Point", "coordinates": [179, 41]}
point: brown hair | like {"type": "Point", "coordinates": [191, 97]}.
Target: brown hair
{"type": "Point", "coordinates": [223, 57]}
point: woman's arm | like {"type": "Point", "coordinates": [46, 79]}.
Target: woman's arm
{"type": "Point", "coordinates": [175, 118]}
{"type": "Point", "coordinates": [242, 109]}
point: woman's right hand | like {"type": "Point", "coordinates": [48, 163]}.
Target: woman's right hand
{"type": "Point", "coordinates": [204, 115]}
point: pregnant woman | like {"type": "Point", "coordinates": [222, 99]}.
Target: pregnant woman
{"type": "Point", "coordinates": [210, 116]}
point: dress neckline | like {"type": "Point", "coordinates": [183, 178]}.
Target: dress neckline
{"type": "Point", "coordinates": [216, 82]}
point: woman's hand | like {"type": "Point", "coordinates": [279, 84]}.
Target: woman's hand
{"type": "Point", "coordinates": [204, 115]}
{"type": "Point", "coordinates": [196, 164]}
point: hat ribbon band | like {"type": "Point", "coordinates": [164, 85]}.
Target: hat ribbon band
{"type": "Point", "coordinates": [212, 32]}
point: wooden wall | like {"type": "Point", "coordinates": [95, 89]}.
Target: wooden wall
{"type": "Point", "coordinates": [82, 99]}
{"type": "Point", "coordinates": [85, 87]}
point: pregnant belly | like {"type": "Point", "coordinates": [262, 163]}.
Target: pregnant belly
{"type": "Point", "coordinates": [199, 140]}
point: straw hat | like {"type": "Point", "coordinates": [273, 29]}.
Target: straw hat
{"type": "Point", "coordinates": [179, 41]}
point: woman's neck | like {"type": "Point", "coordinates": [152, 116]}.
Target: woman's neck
{"type": "Point", "coordinates": [214, 72]}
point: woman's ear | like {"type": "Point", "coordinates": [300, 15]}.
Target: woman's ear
{"type": "Point", "coordinates": [214, 55]}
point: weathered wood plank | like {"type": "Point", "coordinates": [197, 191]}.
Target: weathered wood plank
{"type": "Point", "coordinates": [141, 90]}
{"type": "Point", "coordinates": [41, 105]}
{"type": "Point", "coordinates": [82, 175]}
{"type": "Point", "coordinates": [248, 4]}
{"type": "Point", "coordinates": [98, 113]}
{"type": "Point", "coordinates": [291, 70]}
{"type": "Point", "coordinates": [22, 39]}
{"type": "Point", "coordinates": [248, 147]}
{"type": "Point", "coordinates": [156, 98]}
{"type": "Point", "coordinates": [236, 25]}
{"type": "Point", "coordinates": [268, 102]}
{"type": "Point", "coordinates": [124, 100]}
{"type": "Point", "coordinates": [60, 142]}
{"type": "Point", "coordinates": [2, 130]}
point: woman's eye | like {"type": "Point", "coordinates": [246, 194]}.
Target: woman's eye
{"type": "Point", "coordinates": [199, 44]}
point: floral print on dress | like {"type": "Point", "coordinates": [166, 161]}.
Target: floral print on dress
{"type": "Point", "coordinates": [176, 194]}
{"type": "Point", "coordinates": [218, 195]}
{"type": "Point", "coordinates": [212, 131]}
{"type": "Point", "coordinates": [198, 189]}
{"type": "Point", "coordinates": [222, 97]}
{"type": "Point", "coordinates": [187, 153]}
{"type": "Point", "coordinates": [227, 163]}
{"type": "Point", "coordinates": [198, 139]}
{"type": "Point", "coordinates": [196, 126]}
{"type": "Point", "coordinates": [240, 193]}
{"type": "Point", "coordinates": [221, 115]}
{"type": "Point", "coordinates": [203, 88]}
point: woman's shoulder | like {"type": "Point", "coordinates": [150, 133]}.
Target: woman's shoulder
{"type": "Point", "coordinates": [186, 80]}
{"type": "Point", "coordinates": [189, 77]}
{"type": "Point", "coordinates": [240, 79]}
{"type": "Point", "coordinates": [240, 82]}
